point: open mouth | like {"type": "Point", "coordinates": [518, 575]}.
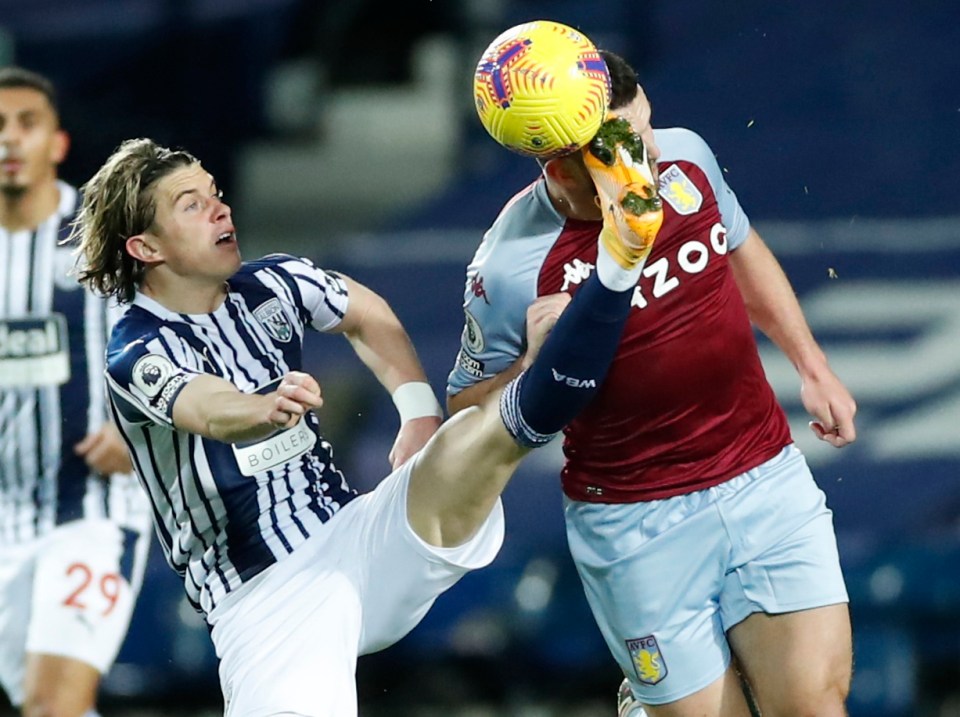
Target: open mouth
{"type": "Point", "coordinates": [226, 238]}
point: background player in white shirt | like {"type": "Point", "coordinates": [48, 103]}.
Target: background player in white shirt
{"type": "Point", "coordinates": [295, 572]}
{"type": "Point", "coordinates": [72, 518]}
{"type": "Point", "coordinates": [695, 524]}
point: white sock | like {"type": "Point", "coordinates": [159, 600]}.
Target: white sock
{"type": "Point", "coordinates": [612, 275]}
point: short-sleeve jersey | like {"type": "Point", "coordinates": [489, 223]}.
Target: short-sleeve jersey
{"type": "Point", "coordinates": [224, 512]}
{"type": "Point", "coordinates": [53, 335]}
{"type": "Point", "coordinates": [686, 404]}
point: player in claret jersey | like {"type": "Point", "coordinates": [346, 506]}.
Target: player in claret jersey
{"type": "Point", "coordinates": [694, 522]}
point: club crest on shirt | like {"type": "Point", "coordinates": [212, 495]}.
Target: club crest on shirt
{"type": "Point", "coordinates": [681, 193]}
{"type": "Point", "coordinates": [472, 335]}
{"type": "Point", "coordinates": [647, 660]}
{"type": "Point", "coordinates": [151, 373]}
{"type": "Point", "coordinates": [274, 321]}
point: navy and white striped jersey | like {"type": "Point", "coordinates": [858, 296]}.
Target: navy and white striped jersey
{"type": "Point", "coordinates": [224, 512]}
{"type": "Point", "coordinates": [52, 342]}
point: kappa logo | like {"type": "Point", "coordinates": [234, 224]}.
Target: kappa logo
{"type": "Point", "coordinates": [575, 272]}
{"type": "Point", "coordinates": [647, 660]}
{"type": "Point", "coordinates": [476, 288]}
{"type": "Point", "coordinates": [274, 321]}
{"type": "Point", "coordinates": [151, 373]}
{"type": "Point", "coordinates": [679, 191]}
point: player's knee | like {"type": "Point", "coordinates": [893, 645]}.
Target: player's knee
{"type": "Point", "coordinates": [828, 700]}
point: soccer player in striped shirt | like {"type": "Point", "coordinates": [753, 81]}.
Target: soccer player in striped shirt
{"type": "Point", "coordinates": [73, 521]}
{"type": "Point", "coordinates": [295, 572]}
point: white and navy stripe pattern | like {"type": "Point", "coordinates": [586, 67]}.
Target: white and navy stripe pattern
{"type": "Point", "coordinates": [513, 420]}
{"type": "Point", "coordinates": [43, 483]}
{"type": "Point", "coordinates": [218, 527]}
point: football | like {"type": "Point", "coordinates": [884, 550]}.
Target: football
{"type": "Point", "coordinates": [541, 89]}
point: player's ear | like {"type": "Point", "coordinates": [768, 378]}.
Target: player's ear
{"type": "Point", "coordinates": [558, 170]}
{"type": "Point", "coordinates": [59, 146]}
{"type": "Point", "coordinates": [144, 247]}
{"type": "Point", "coordinates": [569, 173]}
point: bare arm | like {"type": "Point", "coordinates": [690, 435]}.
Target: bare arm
{"type": "Point", "coordinates": [382, 343]}
{"type": "Point", "coordinates": [774, 309]}
{"type": "Point", "coordinates": [475, 395]}
{"type": "Point", "coordinates": [379, 339]}
{"type": "Point", "coordinates": [542, 314]}
{"type": "Point", "coordinates": [214, 408]}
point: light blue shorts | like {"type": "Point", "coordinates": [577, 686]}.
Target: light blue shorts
{"type": "Point", "coordinates": [667, 578]}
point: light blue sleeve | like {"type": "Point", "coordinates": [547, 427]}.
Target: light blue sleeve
{"type": "Point", "coordinates": [501, 284]}
{"type": "Point", "coordinates": [494, 331]}
{"type": "Point", "coordinates": [688, 145]}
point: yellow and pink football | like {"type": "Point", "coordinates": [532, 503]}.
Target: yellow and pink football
{"type": "Point", "coordinates": [542, 89]}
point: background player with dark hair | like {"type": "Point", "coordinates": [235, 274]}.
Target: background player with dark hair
{"type": "Point", "coordinates": [693, 520]}
{"type": "Point", "coordinates": [72, 517]}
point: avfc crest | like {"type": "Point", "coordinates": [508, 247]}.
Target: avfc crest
{"type": "Point", "coordinates": [274, 321]}
{"type": "Point", "coordinates": [647, 660]}
{"type": "Point", "coordinates": [679, 191]}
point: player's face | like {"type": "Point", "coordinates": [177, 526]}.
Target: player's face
{"type": "Point", "coordinates": [193, 227]}
{"type": "Point", "coordinates": [638, 113]}
{"type": "Point", "coordinates": [31, 141]}
{"type": "Point", "coordinates": [578, 190]}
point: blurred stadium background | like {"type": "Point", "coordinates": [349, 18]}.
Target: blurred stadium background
{"type": "Point", "coordinates": [343, 130]}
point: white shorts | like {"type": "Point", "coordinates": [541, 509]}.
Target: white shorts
{"type": "Point", "coordinates": [288, 640]}
{"type": "Point", "coordinates": [666, 579]}
{"type": "Point", "coordinates": [70, 594]}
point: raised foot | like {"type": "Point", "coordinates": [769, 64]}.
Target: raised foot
{"type": "Point", "coordinates": [632, 211]}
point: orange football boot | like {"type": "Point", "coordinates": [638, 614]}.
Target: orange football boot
{"type": "Point", "coordinates": [632, 211]}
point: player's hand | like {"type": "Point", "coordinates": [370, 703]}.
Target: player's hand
{"type": "Point", "coordinates": [296, 394]}
{"type": "Point", "coordinates": [542, 316]}
{"type": "Point", "coordinates": [104, 451]}
{"type": "Point", "coordinates": [413, 436]}
{"type": "Point", "coordinates": [832, 407]}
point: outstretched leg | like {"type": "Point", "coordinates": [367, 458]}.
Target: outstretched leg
{"type": "Point", "coordinates": [461, 473]}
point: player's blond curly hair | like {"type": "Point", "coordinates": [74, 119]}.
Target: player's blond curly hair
{"type": "Point", "coordinates": [118, 203]}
